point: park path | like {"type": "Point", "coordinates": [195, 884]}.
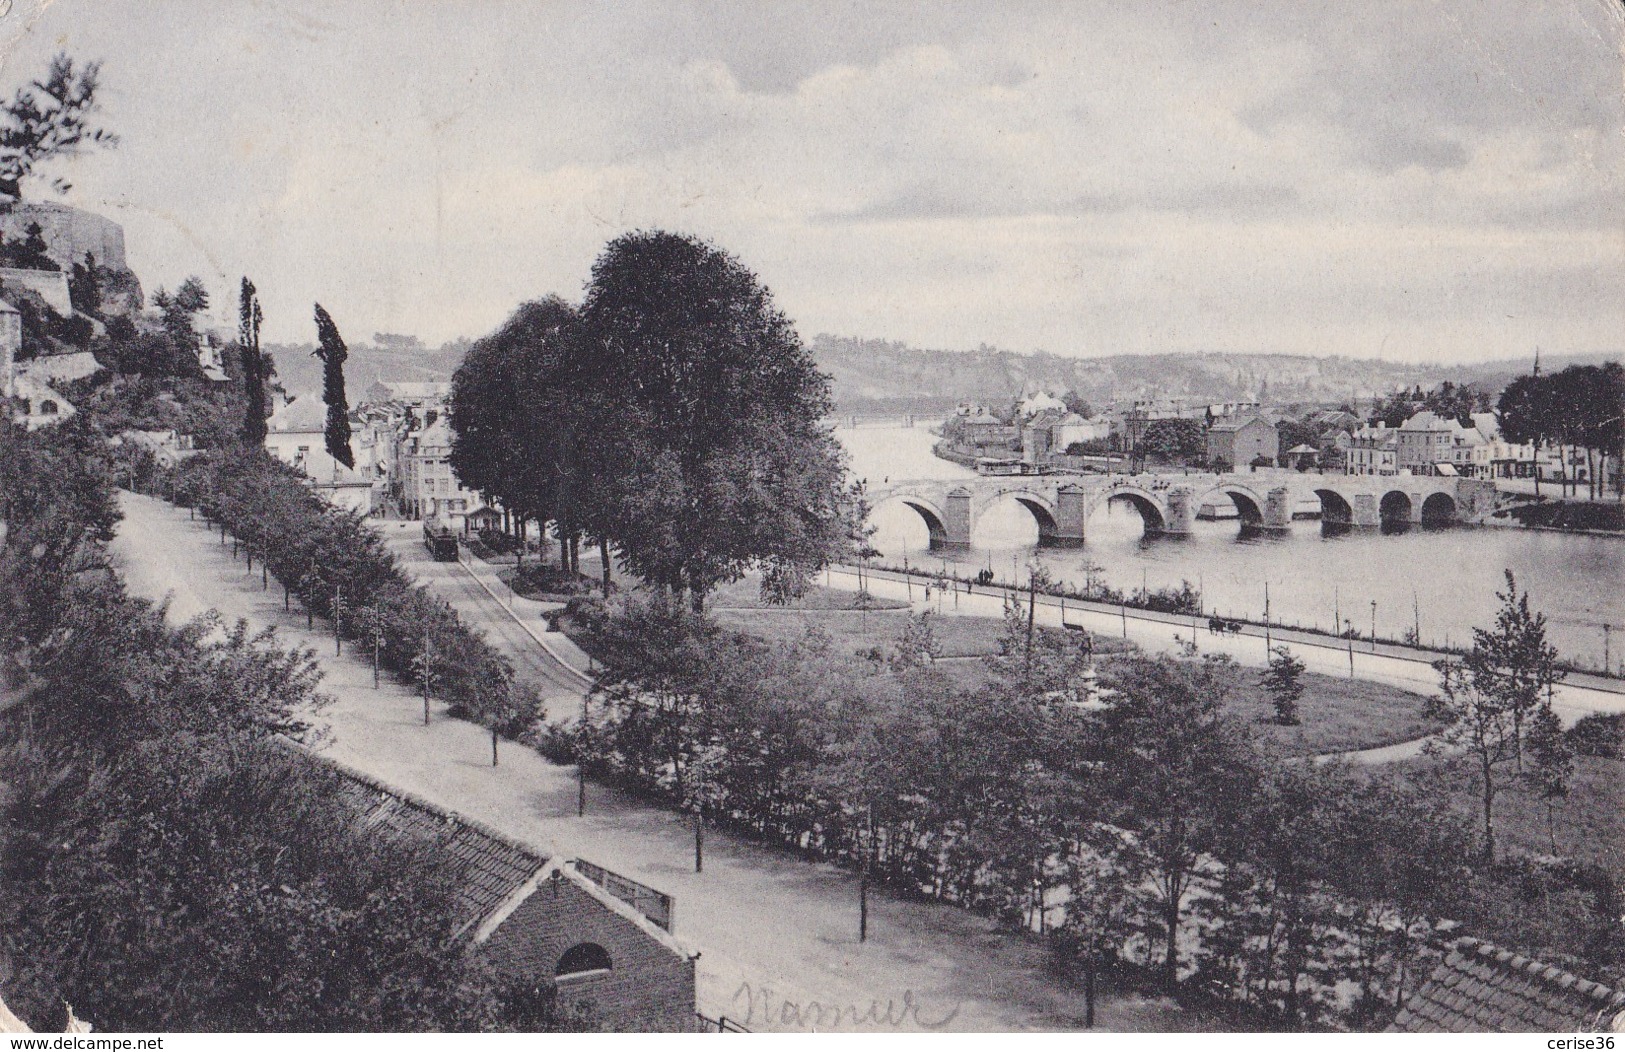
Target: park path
{"type": "Point", "coordinates": [767, 924]}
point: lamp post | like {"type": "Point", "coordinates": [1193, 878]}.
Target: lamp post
{"type": "Point", "coordinates": [1348, 630]}
{"type": "Point", "coordinates": [1373, 626]}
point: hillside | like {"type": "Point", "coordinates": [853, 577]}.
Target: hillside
{"type": "Point", "coordinates": [885, 376]}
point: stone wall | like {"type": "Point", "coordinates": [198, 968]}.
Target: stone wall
{"type": "Point", "coordinates": [650, 986]}
{"type": "Point", "coordinates": [69, 232]}
{"type": "Point", "coordinates": [50, 285]}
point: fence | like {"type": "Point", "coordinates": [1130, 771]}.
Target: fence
{"type": "Point", "coordinates": [659, 907]}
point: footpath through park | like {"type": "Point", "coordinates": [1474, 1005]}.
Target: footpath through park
{"type": "Point", "coordinates": [776, 935]}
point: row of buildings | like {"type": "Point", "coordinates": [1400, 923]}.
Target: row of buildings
{"type": "Point", "coordinates": [1042, 434]}
{"type": "Point", "coordinates": [402, 444]}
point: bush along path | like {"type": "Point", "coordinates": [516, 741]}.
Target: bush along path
{"type": "Point", "coordinates": [338, 569]}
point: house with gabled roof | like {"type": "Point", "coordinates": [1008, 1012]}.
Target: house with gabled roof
{"type": "Point", "coordinates": [602, 940]}
{"type": "Point", "coordinates": [1480, 988]}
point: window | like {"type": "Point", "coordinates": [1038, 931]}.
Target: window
{"type": "Point", "coordinates": [47, 407]}
{"type": "Point", "coordinates": [582, 958]}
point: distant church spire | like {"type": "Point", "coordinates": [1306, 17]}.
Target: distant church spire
{"type": "Point", "coordinates": [1537, 361]}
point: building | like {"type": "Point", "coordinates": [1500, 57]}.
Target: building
{"type": "Point", "coordinates": [1074, 428]}
{"type": "Point", "coordinates": [1425, 441]}
{"type": "Point", "coordinates": [429, 487]}
{"type": "Point", "coordinates": [35, 405]}
{"type": "Point", "coordinates": [1237, 442]}
{"type": "Point", "coordinates": [296, 434]}
{"type": "Point", "coordinates": [1373, 450]}
{"type": "Point", "coordinates": [1301, 458]}
{"type": "Point", "coordinates": [1481, 989]}
{"type": "Point", "coordinates": [604, 941]}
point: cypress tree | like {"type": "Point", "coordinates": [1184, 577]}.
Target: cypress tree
{"type": "Point", "coordinates": [255, 373]}
{"type": "Point", "coordinates": [332, 352]}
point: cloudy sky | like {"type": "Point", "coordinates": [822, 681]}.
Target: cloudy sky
{"type": "Point", "coordinates": [1416, 180]}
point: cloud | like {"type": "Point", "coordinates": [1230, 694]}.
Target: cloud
{"type": "Point", "coordinates": [1087, 178]}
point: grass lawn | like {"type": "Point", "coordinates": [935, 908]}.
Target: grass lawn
{"type": "Point", "coordinates": [747, 595]}
{"type": "Point", "coordinates": [1337, 714]}
{"type": "Point", "coordinates": [1589, 824]}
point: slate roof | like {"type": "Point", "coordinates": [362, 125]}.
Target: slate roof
{"type": "Point", "coordinates": [1481, 988]}
{"type": "Point", "coordinates": [489, 867]}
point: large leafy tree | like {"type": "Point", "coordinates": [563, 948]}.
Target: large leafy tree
{"type": "Point", "coordinates": [715, 459]}
{"type": "Point", "coordinates": [518, 414]}
{"type": "Point", "coordinates": [1525, 414]}
{"type": "Point", "coordinates": [333, 353]}
{"type": "Point", "coordinates": [47, 119]}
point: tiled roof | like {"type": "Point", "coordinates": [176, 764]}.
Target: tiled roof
{"type": "Point", "coordinates": [489, 867]}
{"type": "Point", "coordinates": [1480, 988]}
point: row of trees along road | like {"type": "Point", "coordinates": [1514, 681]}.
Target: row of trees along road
{"type": "Point", "coordinates": [1154, 830]}
{"type": "Point", "coordinates": [674, 416]}
{"type": "Point", "coordinates": [1580, 408]}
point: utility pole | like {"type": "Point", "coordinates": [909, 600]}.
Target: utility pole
{"type": "Point", "coordinates": [425, 676]}
{"type": "Point", "coordinates": [1373, 626]}
{"type": "Point", "coordinates": [338, 603]}
{"type": "Point", "coordinates": [1269, 644]}
{"type": "Point", "coordinates": [1416, 617]}
{"type": "Point", "coordinates": [1348, 630]}
{"type": "Point", "coordinates": [1607, 662]}
{"type": "Point", "coordinates": [863, 873]}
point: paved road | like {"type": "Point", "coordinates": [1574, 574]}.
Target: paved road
{"type": "Point", "coordinates": [769, 926]}
{"type": "Point", "coordinates": [474, 605]}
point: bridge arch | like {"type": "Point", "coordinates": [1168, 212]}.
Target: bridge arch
{"type": "Point", "coordinates": [1150, 507]}
{"type": "Point", "coordinates": [1395, 508]}
{"type": "Point", "coordinates": [1040, 507]}
{"type": "Point", "coordinates": [1334, 508]}
{"type": "Point", "coordinates": [935, 521]}
{"type": "Point", "coordinates": [1249, 505]}
{"type": "Point", "coordinates": [1439, 509]}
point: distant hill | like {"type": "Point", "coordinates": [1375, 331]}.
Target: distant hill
{"type": "Point", "coordinates": [885, 376]}
{"type": "Point", "coordinates": [299, 371]}
{"type": "Point", "coordinates": [873, 376]}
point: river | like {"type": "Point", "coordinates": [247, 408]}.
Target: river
{"type": "Point", "coordinates": [1442, 580]}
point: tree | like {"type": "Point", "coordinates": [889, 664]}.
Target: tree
{"type": "Point", "coordinates": [1284, 682]}
{"type": "Point", "coordinates": [257, 367]}
{"type": "Point", "coordinates": [1551, 766]}
{"type": "Point", "coordinates": [1179, 775]}
{"type": "Point", "coordinates": [1525, 414]}
{"type": "Point", "coordinates": [1491, 697]}
{"type": "Point", "coordinates": [33, 253]}
{"type": "Point", "coordinates": [521, 405]}
{"type": "Point", "coordinates": [1174, 438]}
{"type": "Point", "coordinates": [84, 286]}
{"type": "Point", "coordinates": [333, 353]}
{"type": "Point", "coordinates": [715, 459]}
{"type": "Point", "coordinates": [48, 119]}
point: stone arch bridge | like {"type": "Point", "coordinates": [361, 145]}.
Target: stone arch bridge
{"type": "Point", "coordinates": [1265, 500]}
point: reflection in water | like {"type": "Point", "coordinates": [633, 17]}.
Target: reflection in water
{"type": "Point", "coordinates": [1440, 580]}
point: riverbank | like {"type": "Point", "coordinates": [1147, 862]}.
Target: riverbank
{"type": "Point", "coordinates": [1409, 668]}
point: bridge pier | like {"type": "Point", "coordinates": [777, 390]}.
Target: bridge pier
{"type": "Point", "coordinates": [956, 521]}
{"type": "Point", "coordinates": [1277, 510]}
{"type": "Point", "coordinates": [1415, 518]}
{"type": "Point", "coordinates": [1071, 513]}
{"type": "Point", "coordinates": [1366, 511]}
{"type": "Point", "coordinates": [1180, 513]}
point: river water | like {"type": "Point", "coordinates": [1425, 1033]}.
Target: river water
{"type": "Point", "coordinates": [1443, 580]}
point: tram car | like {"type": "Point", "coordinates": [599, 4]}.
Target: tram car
{"type": "Point", "coordinates": [440, 539]}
